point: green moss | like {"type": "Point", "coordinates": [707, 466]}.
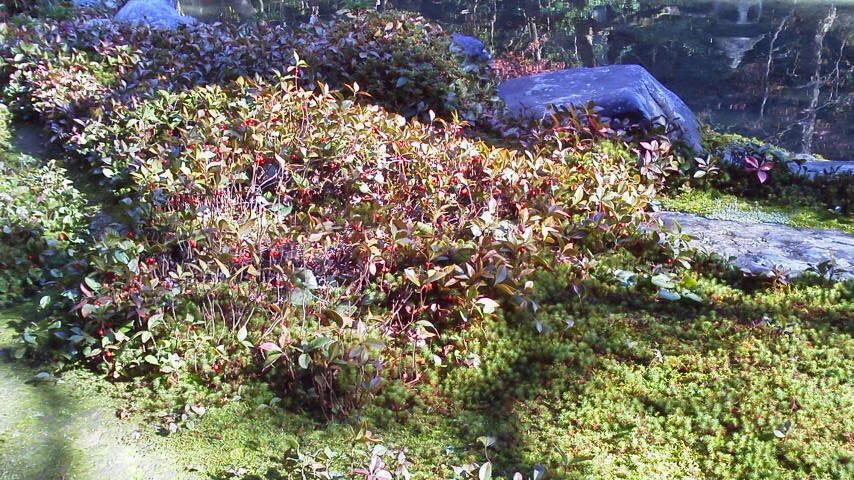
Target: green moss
{"type": "Point", "coordinates": [633, 389]}
{"type": "Point", "coordinates": [715, 204]}
{"type": "Point", "coordinates": [65, 426]}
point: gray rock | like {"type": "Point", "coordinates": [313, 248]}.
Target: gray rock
{"type": "Point", "coordinates": [813, 168]}
{"type": "Point", "coordinates": [108, 4]}
{"type": "Point", "coordinates": [153, 13]}
{"type": "Point", "coordinates": [470, 47]}
{"type": "Point", "coordinates": [622, 91]}
{"type": "Point", "coordinates": [759, 247]}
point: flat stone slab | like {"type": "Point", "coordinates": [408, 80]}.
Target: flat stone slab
{"type": "Point", "coordinates": [622, 91]}
{"type": "Point", "coordinates": [813, 168]}
{"type": "Point", "coordinates": [758, 247]}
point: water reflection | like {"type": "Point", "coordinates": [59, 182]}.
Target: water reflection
{"type": "Point", "coordinates": [779, 70]}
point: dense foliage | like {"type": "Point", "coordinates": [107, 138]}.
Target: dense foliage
{"type": "Point", "coordinates": [41, 214]}
{"type": "Point", "coordinates": [752, 169]}
{"type": "Point", "coordinates": [262, 213]}
{"type": "Point", "coordinates": [360, 251]}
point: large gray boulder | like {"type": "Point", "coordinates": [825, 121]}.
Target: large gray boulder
{"type": "Point", "coordinates": [153, 13]}
{"type": "Point", "coordinates": [622, 91]}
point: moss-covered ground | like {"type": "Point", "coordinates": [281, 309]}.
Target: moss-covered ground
{"type": "Point", "coordinates": [65, 427]}
{"type": "Point", "coordinates": [748, 386]}
{"type": "Point", "coordinates": [723, 206]}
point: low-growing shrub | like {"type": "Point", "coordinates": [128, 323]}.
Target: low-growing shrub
{"type": "Point", "coordinates": [68, 72]}
{"type": "Point", "coordinates": [749, 168]}
{"type": "Point", "coordinates": [42, 227]}
{"type": "Point", "coordinates": [402, 60]}
{"type": "Point", "coordinates": [323, 232]}
{"type": "Point", "coordinates": [277, 228]}
{"type": "Point", "coordinates": [5, 132]}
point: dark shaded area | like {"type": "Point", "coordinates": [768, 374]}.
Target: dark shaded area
{"type": "Point", "coordinates": [50, 453]}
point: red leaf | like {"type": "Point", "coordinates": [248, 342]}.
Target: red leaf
{"type": "Point", "coordinates": [751, 161]}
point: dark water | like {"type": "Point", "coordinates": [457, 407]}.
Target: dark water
{"type": "Point", "coordinates": [779, 70]}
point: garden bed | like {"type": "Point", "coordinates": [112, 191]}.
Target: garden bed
{"type": "Point", "coordinates": [317, 268]}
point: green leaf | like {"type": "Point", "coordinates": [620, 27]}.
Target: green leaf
{"type": "Point", "coordinates": [91, 283]}
{"type": "Point", "coordinates": [121, 257]}
{"type": "Point", "coordinates": [438, 275]}
{"type": "Point", "coordinates": [412, 276]}
{"type": "Point", "coordinates": [88, 309]}
{"type": "Point", "coordinates": [663, 281]}
{"type": "Point", "coordinates": [299, 296]}
{"type": "Point", "coordinates": [485, 471]}
{"type": "Point", "coordinates": [501, 275]}
{"type": "Point", "coordinates": [692, 296]}
{"type": "Point", "coordinates": [151, 359]}
{"type": "Point", "coordinates": [154, 320]}
{"type": "Point", "coordinates": [488, 305]}
{"type": "Point", "coordinates": [486, 441]}
{"type": "Point", "coordinates": [320, 343]}
{"type": "Point", "coordinates": [242, 333]}
{"type": "Point", "coordinates": [271, 359]}
{"type": "Point", "coordinates": [579, 194]}
{"type": "Point", "coordinates": [303, 361]}
{"type": "Point", "coordinates": [222, 267]}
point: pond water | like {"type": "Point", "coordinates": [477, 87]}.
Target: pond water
{"type": "Point", "coordinates": [782, 71]}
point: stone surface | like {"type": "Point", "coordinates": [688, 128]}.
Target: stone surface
{"type": "Point", "coordinates": [109, 4]}
{"type": "Point", "coordinates": [812, 168]}
{"type": "Point", "coordinates": [153, 13]}
{"type": "Point", "coordinates": [213, 10]}
{"type": "Point", "coordinates": [759, 247]}
{"type": "Point", "coordinates": [622, 91]}
{"type": "Point", "coordinates": [471, 47]}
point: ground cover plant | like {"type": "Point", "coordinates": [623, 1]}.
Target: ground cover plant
{"type": "Point", "coordinates": [712, 203]}
{"type": "Point", "coordinates": [752, 169]}
{"type": "Point", "coordinates": [352, 256]}
{"type": "Point", "coordinates": [42, 220]}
